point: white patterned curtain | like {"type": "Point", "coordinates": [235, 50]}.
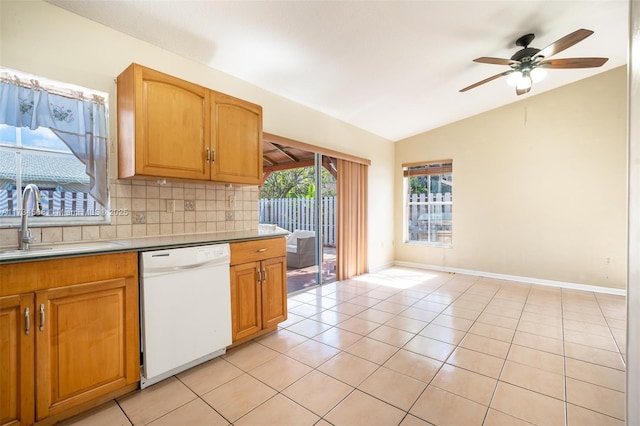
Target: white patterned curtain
{"type": "Point", "coordinates": [80, 121]}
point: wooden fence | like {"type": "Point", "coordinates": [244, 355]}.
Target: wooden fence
{"type": "Point", "coordinates": [429, 217]}
{"type": "Point", "coordinates": [300, 213]}
{"type": "Point", "coordinates": [54, 203]}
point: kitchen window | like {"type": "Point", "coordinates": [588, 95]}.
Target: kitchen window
{"type": "Point", "coordinates": [55, 136]}
{"type": "Point", "coordinates": [428, 202]}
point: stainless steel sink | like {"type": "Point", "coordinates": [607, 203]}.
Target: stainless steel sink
{"type": "Point", "coordinates": [61, 248]}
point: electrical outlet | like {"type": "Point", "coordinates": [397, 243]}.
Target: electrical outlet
{"type": "Point", "coordinates": [229, 215]}
{"type": "Point", "coordinates": [139, 217]}
{"type": "Point", "coordinates": [189, 205]}
{"type": "Point", "coordinates": [171, 206]}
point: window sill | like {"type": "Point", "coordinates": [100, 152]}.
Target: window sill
{"type": "Point", "coordinates": [429, 244]}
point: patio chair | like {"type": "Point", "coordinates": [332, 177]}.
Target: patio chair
{"type": "Point", "coordinates": [301, 249]}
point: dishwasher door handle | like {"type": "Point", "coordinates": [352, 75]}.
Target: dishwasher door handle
{"type": "Point", "coordinates": [150, 271]}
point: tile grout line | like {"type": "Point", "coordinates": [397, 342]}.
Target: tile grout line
{"type": "Point", "coordinates": [395, 315]}
{"type": "Point", "coordinates": [564, 361]}
{"type": "Point", "coordinates": [609, 328]}
{"type": "Point", "coordinates": [362, 293]}
{"type": "Point", "coordinates": [406, 412]}
{"type": "Point", "coordinates": [504, 361]}
{"type": "Point", "coordinates": [456, 345]}
{"type": "Point", "coordinates": [354, 388]}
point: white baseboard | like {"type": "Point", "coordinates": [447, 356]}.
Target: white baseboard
{"type": "Point", "coordinates": [379, 268]}
{"type": "Point", "coordinates": [529, 280]}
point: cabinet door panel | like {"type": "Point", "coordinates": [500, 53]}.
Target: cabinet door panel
{"type": "Point", "coordinates": [87, 346]}
{"type": "Point", "coordinates": [163, 125]}
{"type": "Point", "coordinates": [274, 292]}
{"type": "Point", "coordinates": [246, 312]}
{"type": "Point", "coordinates": [16, 361]}
{"type": "Point", "coordinates": [237, 140]}
{"type": "Point", "coordinates": [173, 143]}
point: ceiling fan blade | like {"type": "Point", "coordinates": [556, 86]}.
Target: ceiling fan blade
{"type": "Point", "coordinates": [522, 91]}
{"type": "Point", "coordinates": [573, 63]}
{"type": "Point", "coordinates": [496, 61]}
{"type": "Point", "coordinates": [486, 80]}
{"type": "Point", "coordinates": [564, 43]}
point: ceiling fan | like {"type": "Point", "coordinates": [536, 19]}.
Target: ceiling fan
{"type": "Point", "coordinates": [527, 64]}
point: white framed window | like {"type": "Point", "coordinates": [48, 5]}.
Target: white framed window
{"type": "Point", "coordinates": [428, 202]}
{"type": "Point", "coordinates": [53, 135]}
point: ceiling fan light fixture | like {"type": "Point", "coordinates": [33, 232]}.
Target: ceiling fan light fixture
{"type": "Point", "coordinates": [527, 62]}
{"type": "Point", "coordinates": [525, 82]}
{"type": "Point", "coordinates": [514, 78]}
{"type": "Point", "coordinates": [538, 74]}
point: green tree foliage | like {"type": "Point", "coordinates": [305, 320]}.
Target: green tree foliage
{"type": "Point", "coordinates": [418, 185]}
{"type": "Point", "coordinates": [297, 183]}
{"type": "Point", "coordinates": [426, 184]}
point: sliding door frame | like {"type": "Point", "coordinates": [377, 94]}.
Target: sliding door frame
{"type": "Point", "coordinates": [361, 239]}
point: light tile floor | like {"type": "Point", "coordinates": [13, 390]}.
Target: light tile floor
{"type": "Point", "coordinates": [408, 347]}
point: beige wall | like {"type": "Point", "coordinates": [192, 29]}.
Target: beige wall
{"type": "Point", "coordinates": [539, 186]}
{"type": "Point", "coordinates": [42, 39]}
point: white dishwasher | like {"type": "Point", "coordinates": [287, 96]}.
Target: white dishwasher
{"type": "Point", "coordinates": [185, 309]}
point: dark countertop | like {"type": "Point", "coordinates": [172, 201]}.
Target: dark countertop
{"type": "Point", "coordinates": [81, 248]}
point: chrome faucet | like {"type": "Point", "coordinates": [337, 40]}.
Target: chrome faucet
{"type": "Point", "coordinates": [24, 233]}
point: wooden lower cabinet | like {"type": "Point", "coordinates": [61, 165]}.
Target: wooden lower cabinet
{"type": "Point", "coordinates": [274, 291]}
{"type": "Point", "coordinates": [66, 346]}
{"type": "Point", "coordinates": [258, 288]}
{"type": "Point", "coordinates": [246, 300]}
{"type": "Point", "coordinates": [16, 360]}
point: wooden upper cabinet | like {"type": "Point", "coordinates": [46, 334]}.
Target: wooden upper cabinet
{"type": "Point", "coordinates": [162, 126]}
{"type": "Point", "coordinates": [237, 140]}
{"type": "Point", "coordinates": [168, 127]}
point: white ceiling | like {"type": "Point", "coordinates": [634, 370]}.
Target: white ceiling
{"type": "Point", "coordinates": [393, 68]}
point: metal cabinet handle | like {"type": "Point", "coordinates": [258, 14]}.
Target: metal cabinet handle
{"type": "Point", "coordinates": [208, 155]}
{"type": "Point", "coordinates": [264, 275]}
{"type": "Point", "coordinates": [213, 155]}
{"type": "Point", "coordinates": [259, 277]}
{"type": "Point", "coordinates": [261, 250]}
{"type": "Point", "coordinates": [42, 317]}
{"type": "Point", "coordinates": [27, 321]}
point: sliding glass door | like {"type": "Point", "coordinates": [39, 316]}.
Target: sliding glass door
{"type": "Point", "coordinates": [302, 200]}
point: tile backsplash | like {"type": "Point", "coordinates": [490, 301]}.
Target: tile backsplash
{"type": "Point", "coordinates": [146, 208]}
